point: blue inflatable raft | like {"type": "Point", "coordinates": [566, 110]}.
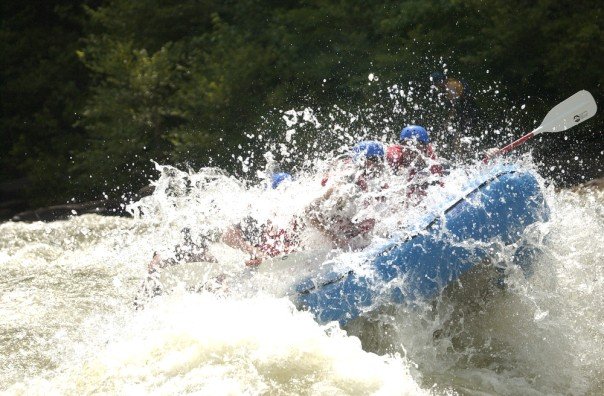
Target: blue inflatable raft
{"type": "Point", "coordinates": [452, 239]}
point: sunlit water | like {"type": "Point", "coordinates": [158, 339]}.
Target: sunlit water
{"type": "Point", "coordinates": [68, 322]}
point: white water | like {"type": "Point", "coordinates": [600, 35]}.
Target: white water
{"type": "Point", "coordinates": [68, 324]}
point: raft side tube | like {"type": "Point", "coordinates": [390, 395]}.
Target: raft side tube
{"type": "Point", "coordinates": [422, 265]}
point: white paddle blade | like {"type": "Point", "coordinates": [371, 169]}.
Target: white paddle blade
{"type": "Point", "coordinates": [574, 110]}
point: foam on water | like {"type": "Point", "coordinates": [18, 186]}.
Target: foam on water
{"type": "Point", "coordinates": [68, 324]}
{"type": "Point", "coordinates": [188, 343]}
{"type": "Point", "coordinates": [539, 335]}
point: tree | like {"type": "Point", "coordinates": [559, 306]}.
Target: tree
{"type": "Point", "coordinates": [42, 83]}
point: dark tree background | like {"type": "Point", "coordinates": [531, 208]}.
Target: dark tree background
{"type": "Point", "coordinates": [92, 92]}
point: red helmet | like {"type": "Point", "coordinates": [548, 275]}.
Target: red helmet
{"type": "Point", "coordinates": [394, 155]}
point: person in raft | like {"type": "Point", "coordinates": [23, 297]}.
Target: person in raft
{"type": "Point", "coordinates": [259, 241]}
{"type": "Point", "coordinates": [262, 241]}
{"type": "Point", "coordinates": [463, 113]}
{"type": "Point", "coordinates": [414, 158]}
{"type": "Point", "coordinates": [189, 250]}
{"type": "Point", "coordinates": [340, 212]}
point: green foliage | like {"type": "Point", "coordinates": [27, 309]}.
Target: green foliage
{"type": "Point", "coordinates": [170, 105]}
{"type": "Point", "coordinates": [178, 81]}
{"type": "Point", "coordinates": [42, 85]}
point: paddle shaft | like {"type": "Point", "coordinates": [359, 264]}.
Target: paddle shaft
{"type": "Point", "coordinates": [515, 143]}
{"type": "Point", "coordinates": [511, 146]}
{"type": "Point", "coordinates": [565, 115]}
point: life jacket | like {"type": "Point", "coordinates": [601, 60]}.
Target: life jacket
{"type": "Point", "coordinates": [270, 239]}
{"type": "Point", "coordinates": [360, 180]}
{"type": "Point", "coordinates": [343, 229]}
{"type": "Point", "coordinates": [336, 168]}
{"type": "Point", "coordinates": [415, 160]}
{"type": "Point", "coordinates": [276, 241]}
{"type": "Point", "coordinates": [398, 156]}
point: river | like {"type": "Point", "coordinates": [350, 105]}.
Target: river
{"type": "Point", "coordinates": [68, 324]}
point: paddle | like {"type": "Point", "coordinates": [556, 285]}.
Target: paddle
{"type": "Point", "coordinates": [565, 115]}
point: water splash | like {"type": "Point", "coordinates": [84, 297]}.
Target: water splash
{"type": "Point", "coordinates": [69, 324]}
{"type": "Point", "coordinates": [200, 343]}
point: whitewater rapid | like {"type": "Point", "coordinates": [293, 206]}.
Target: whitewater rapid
{"type": "Point", "coordinates": [69, 325]}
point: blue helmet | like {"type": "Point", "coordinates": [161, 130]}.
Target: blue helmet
{"type": "Point", "coordinates": [415, 132]}
{"type": "Point", "coordinates": [368, 149]}
{"type": "Point", "coordinates": [278, 178]}
{"type": "Point", "coordinates": [437, 78]}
